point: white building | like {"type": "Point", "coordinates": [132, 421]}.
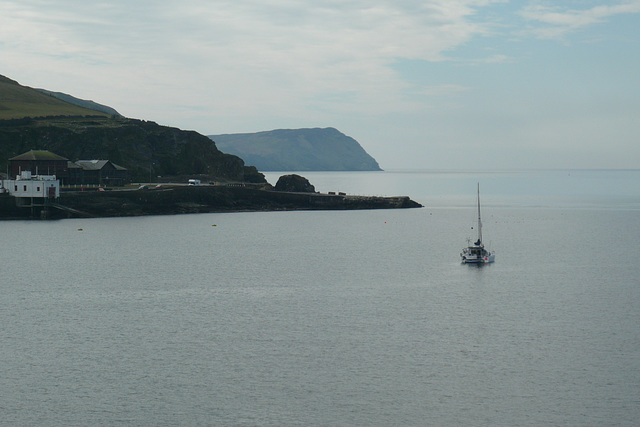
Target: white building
{"type": "Point", "coordinates": [32, 186]}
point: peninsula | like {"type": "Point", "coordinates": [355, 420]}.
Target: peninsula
{"type": "Point", "coordinates": [94, 156]}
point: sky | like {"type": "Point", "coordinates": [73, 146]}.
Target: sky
{"type": "Point", "coordinates": [420, 84]}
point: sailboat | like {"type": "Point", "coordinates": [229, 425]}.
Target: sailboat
{"type": "Point", "coordinates": [476, 253]}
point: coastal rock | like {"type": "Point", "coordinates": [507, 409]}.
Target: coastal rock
{"type": "Point", "coordinates": [295, 184]}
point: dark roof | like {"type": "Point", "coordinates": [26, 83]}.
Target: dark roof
{"type": "Point", "coordinates": [94, 165]}
{"type": "Point", "coordinates": [38, 155]}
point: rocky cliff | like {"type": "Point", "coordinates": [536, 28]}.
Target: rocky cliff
{"type": "Point", "coordinates": [31, 119]}
{"type": "Point", "coordinates": [146, 149]}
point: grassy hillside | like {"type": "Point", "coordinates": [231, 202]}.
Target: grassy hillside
{"type": "Point", "coordinates": [81, 102]}
{"type": "Point", "coordinates": [18, 101]}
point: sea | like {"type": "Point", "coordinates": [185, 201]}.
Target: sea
{"type": "Point", "coordinates": [335, 318]}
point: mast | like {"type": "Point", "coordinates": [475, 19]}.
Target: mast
{"type": "Point", "coordinates": [479, 219]}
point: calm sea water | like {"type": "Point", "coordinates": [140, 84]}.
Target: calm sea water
{"type": "Point", "coordinates": [334, 318]}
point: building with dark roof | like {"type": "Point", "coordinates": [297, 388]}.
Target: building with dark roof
{"type": "Point", "coordinates": [38, 162]}
{"type": "Point", "coordinates": [97, 172]}
{"type": "Point", "coordinates": [81, 172]}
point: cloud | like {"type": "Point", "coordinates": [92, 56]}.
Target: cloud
{"type": "Point", "coordinates": [559, 21]}
{"type": "Point", "coordinates": [280, 54]}
{"type": "Point", "coordinates": [444, 71]}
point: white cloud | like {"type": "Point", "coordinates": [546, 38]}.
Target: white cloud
{"type": "Point", "coordinates": [250, 53]}
{"type": "Point", "coordinates": [560, 21]}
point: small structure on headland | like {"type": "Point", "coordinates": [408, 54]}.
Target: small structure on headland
{"type": "Point", "coordinates": [28, 186]}
{"type": "Point", "coordinates": [37, 192]}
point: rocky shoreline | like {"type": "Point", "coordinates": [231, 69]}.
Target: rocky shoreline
{"type": "Point", "coordinates": [193, 199]}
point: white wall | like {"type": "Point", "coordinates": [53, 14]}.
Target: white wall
{"type": "Point", "coordinates": [31, 188]}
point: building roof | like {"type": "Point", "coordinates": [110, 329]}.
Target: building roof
{"type": "Point", "coordinates": [94, 165]}
{"type": "Point", "coordinates": [38, 155]}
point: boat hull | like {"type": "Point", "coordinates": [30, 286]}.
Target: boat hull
{"type": "Point", "coordinates": [477, 255]}
{"type": "Point", "coordinates": [486, 260]}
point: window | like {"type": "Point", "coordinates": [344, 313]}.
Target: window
{"type": "Point", "coordinates": [37, 188]}
{"type": "Point", "coordinates": [25, 188]}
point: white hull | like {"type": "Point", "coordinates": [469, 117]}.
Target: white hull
{"type": "Point", "coordinates": [470, 258]}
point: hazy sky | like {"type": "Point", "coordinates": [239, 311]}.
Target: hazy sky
{"type": "Point", "coordinates": [419, 83]}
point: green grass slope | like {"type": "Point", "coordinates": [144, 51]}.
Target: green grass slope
{"type": "Point", "coordinates": [81, 102]}
{"type": "Point", "coordinates": [18, 101]}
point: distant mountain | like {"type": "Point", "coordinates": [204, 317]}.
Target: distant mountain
{"type": "Point", "coordinates": [298, 150]}
{"type": "Point", "coordinates": [81, 102]}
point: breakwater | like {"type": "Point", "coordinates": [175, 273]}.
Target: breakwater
{"type": "Point", "coordinates": [196, 199]}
